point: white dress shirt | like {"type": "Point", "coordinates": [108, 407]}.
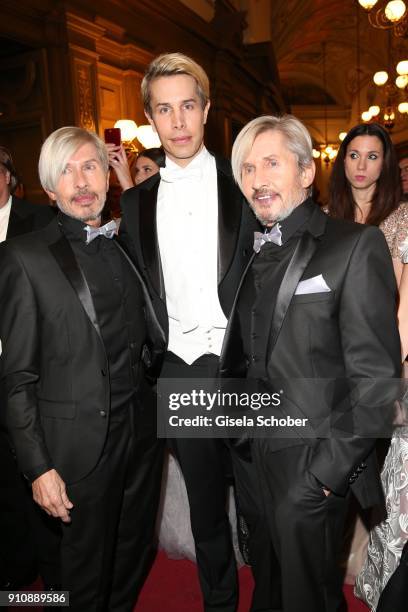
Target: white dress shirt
{"type": "Point", "coordinates": [187, 228]}
{"type": "Point", "coordinates": [4, 219]}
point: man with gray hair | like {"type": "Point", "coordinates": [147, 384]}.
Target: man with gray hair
{"type": "Point", "coordinates": [81, 344]}
{"type": "Point", "coordinates": [314, 317]}
{"type": "Point", "coordinates": [18, 555]}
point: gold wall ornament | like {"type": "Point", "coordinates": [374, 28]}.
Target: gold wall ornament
{"type": "Point", "coordinates": [85, 96]}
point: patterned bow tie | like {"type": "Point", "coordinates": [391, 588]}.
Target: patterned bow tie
{"type": "Point", "coordinates": [108, 230]}
{"type": "Point", "coordinates": [275, 236]}
{"type": "Point", "coordinates": [172, 175]}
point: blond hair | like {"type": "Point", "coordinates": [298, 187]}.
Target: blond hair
{"type": "Point", "coordinates": [170, 64]}
{"type": "Point", "coordinates": [297, 138]}
{"type": "Point", "coordinates": [59, 147]}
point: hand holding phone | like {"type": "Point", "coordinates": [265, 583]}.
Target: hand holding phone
{"type": "Point", "coordinates": [113, 136]}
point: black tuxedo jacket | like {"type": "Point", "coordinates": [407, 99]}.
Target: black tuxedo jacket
{"type": "Point", "coordinates": [347, 337]}
{"type": "Point", "coordinates": [26, 217]}
{"type": "Point", "coordinates": [54, 368]}
{"type": "Point", "coordinates": [236, 225]}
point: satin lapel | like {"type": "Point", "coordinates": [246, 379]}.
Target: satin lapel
{"type": "Point", "coordinates": [65, 257]}
{"type": "Point", "coordinates": [230, 324]}
{"type": "Point", "coordinates": [148, 237]}
{"type": "Point", "coordinates": [151, 313]}
{"type": "Point", "coordinates": [241, 282]}
{"type": "Point", "coordinates": [229, 219]}
{"type": "Point", "coordinates": [300, 259]}
{"type": "Point", "coordinates": [17, 225]}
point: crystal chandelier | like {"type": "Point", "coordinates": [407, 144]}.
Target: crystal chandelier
{"type": "Point", "coordinates": [394, 96]}
{"type": "Point", "coordinates": [387, 15]}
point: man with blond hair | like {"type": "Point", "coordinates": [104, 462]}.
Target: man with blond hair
{"type": "Point", "coordinates": [79, 333]}
{"type": "Point", "coordinates": [190, 231]}
{"type": "Point", "coordinates": [315, 322]}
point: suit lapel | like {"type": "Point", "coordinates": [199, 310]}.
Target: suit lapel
{"type": "Point", "coordinates": [304, 252]}
{"type": "Point", "coordinates": [150, 313]}
{"type": "Point", "coordinates": [17, 225]}
{"type": "Point", "coordinates": [65, 258]}
{"type": "Point", "coordinates": [229, 219]}
{"type": "Point", "coordinates": [149, 239]}
{"type": "Point", "coordinates": [228, 350]}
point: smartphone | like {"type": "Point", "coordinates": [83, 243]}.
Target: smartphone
{"type": "Point", "coordinates": [113, 136]}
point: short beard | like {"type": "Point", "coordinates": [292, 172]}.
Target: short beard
{"type": "Point", "coordinates": [83, 218]}
{"type": "Point", "coordinates": [267, 221]}
{"type": "Point", "coordinates": [93, 217]}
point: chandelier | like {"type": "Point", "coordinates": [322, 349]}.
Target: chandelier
{"type": "Point", "coordinates": [387, 15]}
{"type": "Point", "coordinates": [328, 152]}
{"type": "Point", "coordinates": [128, 130]}
{"type": "Point", "coordinates": [393, 100]}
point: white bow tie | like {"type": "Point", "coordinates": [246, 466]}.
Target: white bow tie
{"type": "Point", "coordinates": [172, 175]}
{"type": "Point", "coordinates": [274, 235]}
{"type": "Point", "coordinates": [108, 230]}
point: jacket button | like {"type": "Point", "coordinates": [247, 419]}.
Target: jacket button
{"type": "Point", "coordinates": [103, 372]}
{"type": "Point", "coordinates": [102, 413]}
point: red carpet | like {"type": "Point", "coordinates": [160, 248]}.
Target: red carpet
{"type": "Point", "coordinates": [172, 586]}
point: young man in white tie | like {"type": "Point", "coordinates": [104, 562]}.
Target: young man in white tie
{"type": "Point", "coordinates": [190, 231]}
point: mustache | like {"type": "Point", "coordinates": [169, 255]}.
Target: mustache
{"type": "Point", "coordinates": [83, 192]}
{"type": "Point", "coordinates": [263, 191]}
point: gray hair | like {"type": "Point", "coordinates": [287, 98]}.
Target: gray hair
{"type": "Point", "coordinates": [59, 147]}
{"type": "Point", "coordinates": [297, 138]}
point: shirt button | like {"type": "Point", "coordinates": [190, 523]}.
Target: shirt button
{"type": "Point", "coordinates": [102, 413]}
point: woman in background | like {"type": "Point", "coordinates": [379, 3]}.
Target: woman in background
{"type": "Point", "coordinates": [365, 187]}
{"type": "Point", "coordinates": [146, 164]}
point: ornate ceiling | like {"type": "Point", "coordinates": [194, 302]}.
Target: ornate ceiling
{"type": "Point", "coordinates": [299, 28]}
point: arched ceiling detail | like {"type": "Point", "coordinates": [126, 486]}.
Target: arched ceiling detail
{"type": "Point", "coordinates": [300, 27]}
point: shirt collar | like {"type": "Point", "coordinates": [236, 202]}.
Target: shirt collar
{"type": "Point", "coordinates": [296, 219]}
{"type": "Point", "coordinates": [197, 162]}
{"type": "Point", "coordinates": [74, 229]}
